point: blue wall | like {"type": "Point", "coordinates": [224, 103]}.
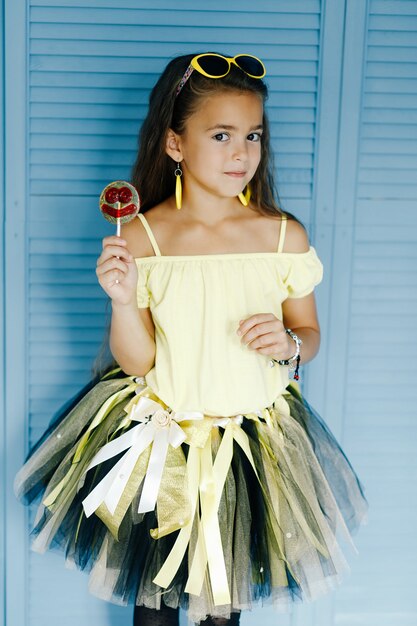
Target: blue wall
{"type": "Point", "coordinates": [343, 107]}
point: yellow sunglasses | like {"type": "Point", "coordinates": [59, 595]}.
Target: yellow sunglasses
{"type": "Point", "coordinates": [214, 65]}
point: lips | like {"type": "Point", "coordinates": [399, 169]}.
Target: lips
{"type": "Point", "coordinates": [236, 174]}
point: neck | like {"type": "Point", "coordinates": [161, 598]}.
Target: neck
{"type": "Point", "coordinates": [209, 209]}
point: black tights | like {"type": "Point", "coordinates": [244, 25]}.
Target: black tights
{"type": "Point", "coordinates": [166, 616]}
{"type": "Point", "coordinates": [170, 617]}
{"type": "Point", "coordinates": [222, 621]}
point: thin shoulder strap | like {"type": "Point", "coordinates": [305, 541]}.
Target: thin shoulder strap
{"type": "Point", "coordinates": [282, 233]}
{"type": "Point", "coordinates": [150, 234]}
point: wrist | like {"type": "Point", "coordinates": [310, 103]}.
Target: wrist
{"type": "Point", "coordinates": [291, 348]}
{"type": "Point", "coordinates": [294, 360]}
{"type": "Point", "coordinates": [124, 307]}
{"type": "Point", "coordinates": [297, 352]}
{"type": "Point", "coordinates": [291, 351]}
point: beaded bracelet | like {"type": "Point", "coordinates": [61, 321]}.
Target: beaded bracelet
{"type": "Point", "coordinates": [295, 358]}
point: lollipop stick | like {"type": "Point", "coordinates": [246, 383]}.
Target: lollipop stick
{"type": "Point", "coordinates": [118, 231]}
{"type": "Point", "coordinates": [118, 221]}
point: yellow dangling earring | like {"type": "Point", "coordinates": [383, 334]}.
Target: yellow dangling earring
{"type": "Point", "coordinates": [178, 187]}
{"type": "Point", "coordinates": [245, 197]}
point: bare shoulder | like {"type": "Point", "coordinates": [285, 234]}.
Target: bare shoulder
{"type": "Point", "coordinates": [296, 237]}
{"type": "Point", "coordinates": [137, 239]}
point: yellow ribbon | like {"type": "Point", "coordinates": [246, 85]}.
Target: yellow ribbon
{"type": "Point", "coordinates": [174, 559]}
{"type": "Point", "coordinates": [208, 491]}
{"type": "Point", "coordinates": [209, 548]}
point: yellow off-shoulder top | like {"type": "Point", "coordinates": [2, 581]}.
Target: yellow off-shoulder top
{"type": "Point", "coordinates": [196, 303]}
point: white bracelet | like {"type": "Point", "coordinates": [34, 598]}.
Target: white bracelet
{"type": "Point", "coordinates": [295, 357]}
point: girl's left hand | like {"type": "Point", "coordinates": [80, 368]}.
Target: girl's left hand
{"type": "Point", "coordinates": [266, 334]}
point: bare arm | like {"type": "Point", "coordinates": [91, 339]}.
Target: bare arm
{"type": "Point", "coordinates": [300, 314]}
{"type": "Point", "coordinates": [132, 332]}
{"type": "Point", "coordinates": [266, 334]}
{"type": "Point", "coordinates": [131, 344]}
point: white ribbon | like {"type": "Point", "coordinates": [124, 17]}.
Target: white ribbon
{"type": "Point", "coordinates": [224, 421]}
{"type": "Point", "coordinates": [157, 426]}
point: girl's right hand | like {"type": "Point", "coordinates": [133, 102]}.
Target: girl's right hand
{"type": "Point", "coordinates": [115, 263]}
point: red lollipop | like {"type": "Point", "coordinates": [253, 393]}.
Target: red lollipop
{"type": "Point", "coordinates": [119, 203]}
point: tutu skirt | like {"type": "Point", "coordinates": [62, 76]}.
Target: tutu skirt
{"type": "Point", "coordinates": [212, 515]}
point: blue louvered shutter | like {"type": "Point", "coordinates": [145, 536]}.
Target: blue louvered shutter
{"type": "Point", "coordinates": [370, 393]}
{"type": "Point", "coordinates": [381, 394]}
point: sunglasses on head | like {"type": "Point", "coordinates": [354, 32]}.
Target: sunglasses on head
{"type": "Point", "coordinates": [214, 65]}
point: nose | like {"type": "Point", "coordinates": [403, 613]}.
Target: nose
{"type": "Point", "coordinates": [240, 152]}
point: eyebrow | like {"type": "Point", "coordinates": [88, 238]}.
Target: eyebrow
{"type": "Point", "coordinates": [229, 127]}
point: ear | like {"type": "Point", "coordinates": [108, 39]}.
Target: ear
{"type": "Point", "coordinates": [173, 146]}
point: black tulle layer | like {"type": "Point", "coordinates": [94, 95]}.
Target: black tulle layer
{"type": "Point", "coordinates": [299, 464]}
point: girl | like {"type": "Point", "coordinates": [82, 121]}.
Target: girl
{"type": "Point", "coordinates": [192, 473]}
